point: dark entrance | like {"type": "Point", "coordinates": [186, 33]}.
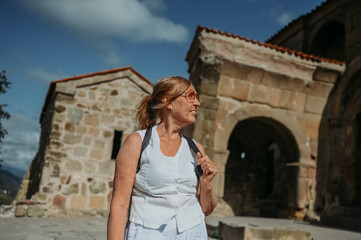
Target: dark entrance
{"type": "Point", "coordinates": [257, 178]}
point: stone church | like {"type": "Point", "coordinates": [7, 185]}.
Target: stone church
{"type": "Point", "coordinates": [281, 120]}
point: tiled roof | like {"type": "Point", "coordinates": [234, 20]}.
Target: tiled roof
{"type": "Point", "coordinates": [296, 53]}
{"type": "Point", "coordinates": [299, 19]}
{"type": "Point", "coordinates": [53, 83]}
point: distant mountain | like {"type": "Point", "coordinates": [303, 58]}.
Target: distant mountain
{"type": "Point", "coordinates": [9, 185]}
{"type": "Point", "coordinates": [16, 171]}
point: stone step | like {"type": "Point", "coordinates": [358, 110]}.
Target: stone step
{"type": "Point", "coordinates": [348, 223]}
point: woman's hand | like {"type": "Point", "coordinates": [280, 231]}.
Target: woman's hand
{"type": "Point", "coordinates": [206, 197]}
{"type": "Point", "coordinates": [208, 167]}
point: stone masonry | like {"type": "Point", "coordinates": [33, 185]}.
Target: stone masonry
{"type": "Point", "coordinates": [239, 79]}
{"type": "Point", "coordinates": [73, 170]}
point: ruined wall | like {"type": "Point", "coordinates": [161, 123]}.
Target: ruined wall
{"type": "Point", "coordinates": [77, 170]}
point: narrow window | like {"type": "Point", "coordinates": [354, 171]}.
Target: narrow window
{"type": "Point", "coordinates": [116, 143]}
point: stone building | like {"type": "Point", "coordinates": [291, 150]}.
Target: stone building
{"type": "Point", "coordinates": [261, 107]}
{"type": "Point", "coordinates": [83, 122]}
{"type": "Point", "coordinates": [334, 30]}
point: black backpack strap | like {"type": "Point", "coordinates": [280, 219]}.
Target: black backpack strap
{"type": "Point", "coordinates": [192, 145]}
{"type": "Point", "coordinates": [145, 142]}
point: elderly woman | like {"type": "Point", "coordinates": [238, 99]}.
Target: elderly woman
{"type": "Point", "coordinates": [168, 201]}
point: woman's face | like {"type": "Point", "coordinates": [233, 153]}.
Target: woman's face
{"type": "Point", "coordinates": [184, 108]}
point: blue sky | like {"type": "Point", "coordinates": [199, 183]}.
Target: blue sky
{"type": "Point", "coordinates": [46, 40]}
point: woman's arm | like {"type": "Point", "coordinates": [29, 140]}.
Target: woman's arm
{"type": "Point", "coordinates": [125, 170]}
{"type": "Point", "coordinates": [206, 197]}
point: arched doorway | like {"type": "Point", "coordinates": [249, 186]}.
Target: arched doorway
{"type": "Point", "coordinates": [256, 175]}
{"type": "Point", "coordinates": [329, 41]}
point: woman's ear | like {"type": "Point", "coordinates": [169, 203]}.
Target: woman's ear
{"type": "Point", "coordinates": [167, 102]}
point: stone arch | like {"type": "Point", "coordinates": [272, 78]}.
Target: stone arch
{"type": "Point", "coordinates": [282, 120]}
{"type": "Point", "coordinates": [329, 41]}
{"type": "Point", "coordinates": [256, 170]}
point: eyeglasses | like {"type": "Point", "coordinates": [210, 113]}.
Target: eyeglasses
{"type": "Point", "coordinates": [191, 96]}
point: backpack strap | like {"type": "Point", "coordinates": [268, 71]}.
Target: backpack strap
{"type": "Point", "coordinates": [145, 142]}
{"type": "Point", "coordinates": [192, 145]}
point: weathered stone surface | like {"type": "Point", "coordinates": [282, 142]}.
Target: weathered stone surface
{"type": "Point", "coordinates": [75, 115]}
{"type": "Point", "coordinates": [21, 210]}
{"type": "Point", "coordinates": [94, 132]}
{"type": "Point", "coordinates": [107, 134]}
{"type": "Point", "coordinates": [60, 108]}
{"type": "Point", "coordinates": [260, 94]}
{"type": "Point", "coordinates": [73, 166]}
{"type": "Point", "coordinates": [78, 202]}
{"type": "Point", "coordinates": [96, 187]}
{"type": "Point", "coordinates": [241, 90]}
{"type": "Point", "coordinates": [91, 120]}
{"type": "Point", "coordinates": [315, 104]}
{"type": "Point", "coordinates": [310, 127]}
{"type": "Point", "coordinates": [80, 151]}
{"type": "Point", "coordinates": [59, 201]}
{"type": "Point", "coordinates": [292, 100]}
{"type": "Point", "coordinates": [107, 168]}
{"type": "Point", "coordinates": [275, 80]}
{"type": "Point", "coordinates": [96, 154]}
{"type": "Point", "coordinates": [72, 139]}
{"type": "Point", "coordinates": [255, 75]}
{"type": "Point", "coordinates": [72, 189]}
{"type": "Point", "coordinates": [35, 211]}
{"type": "Point", "coordinates": [69, 127]}
{"type": "Point", "coordinates": [97, 202]}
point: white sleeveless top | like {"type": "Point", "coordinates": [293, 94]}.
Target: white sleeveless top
{"type": "Point", "coordinates": [165, 187]}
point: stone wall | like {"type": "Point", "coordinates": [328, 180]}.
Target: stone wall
{"type": "Point", "coordinates": [239, 80]}
{"type": "Point", "coordinates": [76, 168]}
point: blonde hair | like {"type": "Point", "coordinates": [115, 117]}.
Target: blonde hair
{"type": "Point", "coordinates": [151, 105]}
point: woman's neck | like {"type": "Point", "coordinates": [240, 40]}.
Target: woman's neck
{"type": "Point", "coordinates": [169, 129]}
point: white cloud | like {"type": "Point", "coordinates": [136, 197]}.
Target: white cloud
{"type": "Point", "coordinates": [130, 20]}
{"type": "Point", "coordinates": [281, 16]}
{"type": "Point", "coordinates": [284, 18]}
{"type": "Point", "coordinates": [45, 76]}
{"type": "Point", "coordinates": [22, 141]}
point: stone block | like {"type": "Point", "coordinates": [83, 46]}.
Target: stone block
{"type": "Point", "coordinates": [209, 102]}
{"type": "Point", "coordinates": [84, 189]}
{"type": "Point", "coordinates": [259, 94]}
{"type": "Point", "coordinates": [90, 167]}
{"type": "Point", "coordinates": [292, 100]}
{"type": "Point", "coordinates": [311, 173]}
{"type": "Point", "coordinates": [295, 84]}
{"type": "Point", "coordinates": [96, 154]}
{"type": "Point", "coordinates": [80, 129]}
{"type": "Point", "coordinates": [87, 140]}
{"type": "Point", "coordinates": [275, 80]}
{"type": "Point", "coordinates": [72, 189]}
{"type": "Point", "coordinates": [91, 120]}
{"type": "Point", "coordinates": [226, 86]}
{"type": "Point", "coordinates": [35, 211]}
{"type": "Point", "coordinates": [59, 201]}
{"type": "Point", "coordinates": [71, 139]}
{"type": "Point", "coordinates": [107, 134]}
{"type": "Point", "coordinates": [75, 115]}
{"type": "Point", "coordinates": [235, 70]}
{"type": "Point", "coordinates": [96, 187]}
{"type": "Point", "coordinates": [81, 93]}
{"type": "Point", "coordinates": [107, 119]}
{"type": "Point", "coordinates": [96, 202]}
{"type": "Point", "coordinates": [64, 98]}
{"type": "Point", "coordinates": [80, 151]}
{"type": "Point", "coordinates": [107, 168]}
{"type": "Point", "coordinates": [302, 193]}
{"type": "Point", "coordinates": [309, 126]}
{"type": "Point", "coordinates": [255, 75]}
{"type": "Point", "coordinates": [73, 166]}
{"type": "Point", "coordinates": [315, 104]}
{"type": "Point", "coordinates": [325, 75]}
{"type": "Point", "coordinates": [94, 132]}
{"type": "Point", "coordinates": [319, 89]}
{"type": "Point", "coordinates": [60, 108]}
{"type": "Point", "coordinates": [21, 210]}
{"type": "Point", "coordinates": [99, 144]}
{"type": "Point", "coordinates": [78, 202]}
{"type": "Point", "coordinates": [274, 97]}
{"type": "Point", "coordinates": [69, 127]}
{"type": "Point", "coordinates": [241, 90]}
